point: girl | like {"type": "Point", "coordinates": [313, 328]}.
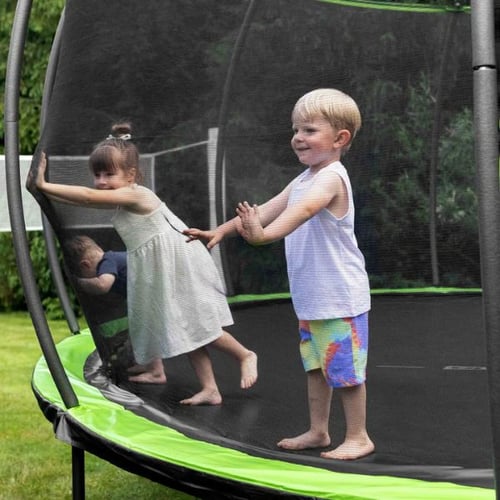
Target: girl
{"type": "Point", "coordinates": [175, 305]}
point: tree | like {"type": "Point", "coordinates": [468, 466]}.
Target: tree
{"type": "Point", "coordinates": [42, 26]}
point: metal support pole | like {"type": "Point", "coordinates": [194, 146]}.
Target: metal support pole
{"type": "Point", "coordinates": [13, 182]}
{"type": "Point", "coordinates": [486, 154]}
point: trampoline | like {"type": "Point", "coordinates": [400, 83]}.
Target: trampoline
{"type": "Point", "coordinates": [209, 86]}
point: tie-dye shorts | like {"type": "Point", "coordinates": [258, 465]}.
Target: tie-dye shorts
{"type": "Point", "coordinates": [339, 347]}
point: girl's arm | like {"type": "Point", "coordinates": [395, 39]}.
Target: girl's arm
{"type": "Point", "coordinates": [326, 187]}
{"type": "Point", "coordinates": [85, 196]}
{"type": "Point", "coordinates": [213, 236]}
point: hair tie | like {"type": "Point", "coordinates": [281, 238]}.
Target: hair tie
{"type": "Point", "coordinates": [123, 137]}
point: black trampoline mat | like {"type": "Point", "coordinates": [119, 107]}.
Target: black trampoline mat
{"type": "Point", "coordinates": [427, 391]}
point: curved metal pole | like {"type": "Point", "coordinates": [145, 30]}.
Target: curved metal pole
{"type": "Point", "coordinates": [13, 182]}
{"type": "Point", "coordinates": [57, 275]}
{"type": "Point", "coordinates": [434, 150]}
{"type": "Point", "coordinates": [48, 232]}
{"type": "Point", "coordinates": [486, 153]}
{"type": "Point", "coordinates": [221, 138]}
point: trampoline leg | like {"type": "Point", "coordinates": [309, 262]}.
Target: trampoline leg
{"type": "Point", "coordinates": [78, 473]}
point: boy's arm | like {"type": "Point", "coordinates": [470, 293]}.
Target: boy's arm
{"type": "Point", "coordinates": [272, 209]}
{"type": "Point", "coordinates": [96, 286]}
{"type": "Point", "coordinates": [320, 195]}
{"type": "Point", "coordinates": [267, 212]}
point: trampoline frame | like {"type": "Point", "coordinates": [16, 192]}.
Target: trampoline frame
{"type": "Point", "coordinates": [486, 152]}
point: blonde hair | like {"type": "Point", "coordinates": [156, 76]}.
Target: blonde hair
{"type": "Point", "coordinates": [339, 109]}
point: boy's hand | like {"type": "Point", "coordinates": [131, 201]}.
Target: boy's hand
{"type": "Point", "coordinates": [251, 228]}
{"type": "Point", "coordinates": [212, 237]}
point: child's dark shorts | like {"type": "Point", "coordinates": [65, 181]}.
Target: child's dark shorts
{"type": "Point", "coordinates": [339, 347]}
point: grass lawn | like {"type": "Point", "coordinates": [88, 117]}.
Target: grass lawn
{"type": "Point", "coordinates": [33, 463]}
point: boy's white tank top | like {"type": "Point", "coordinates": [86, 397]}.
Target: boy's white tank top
{"type": "Point", "coordinates": [326, 269]}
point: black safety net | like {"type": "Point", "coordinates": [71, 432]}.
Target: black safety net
{"type": "Point", "coordinates": [209, 86]}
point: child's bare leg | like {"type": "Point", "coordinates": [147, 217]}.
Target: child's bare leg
{"type": "Point", "coordinates": [202, 365]}
{"type": "Point", "coordinates": [153, 373]}
{"type": "Point", "coordinates": [320, 397]}
{"type": "Point", "coordinates": [357, 443]}
{"type": "Point", "coordinates": [247, 359]}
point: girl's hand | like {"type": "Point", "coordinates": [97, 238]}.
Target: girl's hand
{"type": "Point", "coordinates": [42, 167]}
{"type": "Point", "coordinates": [211, 236]}
{"type": "Point", "coordinates": [251, 229]}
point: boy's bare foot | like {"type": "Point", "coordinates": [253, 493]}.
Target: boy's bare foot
{"type": "Point", "coordinates": [149, 378]}
{"type": "Point", "coordinates": [351, 450]}
{"type": "Point", "coordinates": [249, 370]}
{"type": "Point", "coordinates": [307, 440]}
{"type": "Point", "coordinates": [204, 397]}
{"type": "Point", "coordinates": [136, 369]}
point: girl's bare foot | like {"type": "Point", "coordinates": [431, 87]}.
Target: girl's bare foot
{"type": "Point", "coordinates": [136, 369]}
{"type": "Point", "coordinates": [307, 440]}
{"type": "Point", "coordinates": [204, 397]}
{"type": "Point", "coordinates": [351, 450]}
{"type": "Point", "coordinates": [249, 370]}
{"type": "Point", "coordinates": [149, 378]}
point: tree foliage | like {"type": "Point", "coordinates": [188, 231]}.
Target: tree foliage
{"type": "Point", "coordinates": [44, 18]}
{"type": "Point", "coordinates": [399, 206]}
{"type": "Point", "coordinates": [42, 26]}
{"type": "Point", "coordinates": [401, 216]}
{"type": "Point", "coordinates": [41, 29]}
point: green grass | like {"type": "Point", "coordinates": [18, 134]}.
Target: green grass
{"type": "Point", "coordinates": [33, 463]}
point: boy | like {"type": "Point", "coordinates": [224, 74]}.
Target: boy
{"type": "Point", "coordinates": [97, 272]}
{"type": "Point", "coordinates": [328, 281]}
